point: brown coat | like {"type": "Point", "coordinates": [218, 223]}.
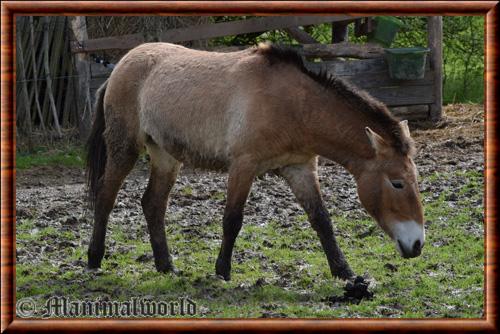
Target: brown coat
{"type": "Point", "coordinates": [248, 112]}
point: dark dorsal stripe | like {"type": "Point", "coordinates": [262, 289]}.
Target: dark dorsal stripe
{"type": "Point", "coordinates": [360, 100]}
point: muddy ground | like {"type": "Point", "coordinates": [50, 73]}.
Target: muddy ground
{"type": "Point", "coordinates": [54, 196]}
{"type": "Point", "coordinates": [58, 192]}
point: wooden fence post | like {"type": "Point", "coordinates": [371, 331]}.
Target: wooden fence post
{"type": "Point", "coordinates": [340, 32]}
{"type": "Point", "coordinates": [435, 43]}
{"type": "Point", "coordinates": [22, 79]}
{"type": "Point", "coordinates": [48, 78]}
{"type": "Point", "coordinates": [35, 73]}
{"type": "Point", "coordinates": [79, 27]}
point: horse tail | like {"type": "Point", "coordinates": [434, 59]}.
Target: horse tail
{"type": "Point", "coordinates": [96, 147]}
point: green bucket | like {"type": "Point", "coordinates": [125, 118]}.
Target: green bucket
{"type": "Point", "coordinates": [386, 28]}
{"type": "Point", "coordinates": [406, 63]}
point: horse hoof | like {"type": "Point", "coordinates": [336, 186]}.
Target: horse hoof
{"type": "Point", "coordinates": [174, 271]}
{"type": "Point", "coordinates": [223, 270]}
{"type": "Point", "coordinates": [95, 271]}
{"type": "Point", "coordinates": [224, 278]}
{"type": "Point", "coordinates": [93, 264]}
{"type": "Point", "coordinates": [346, 275]}
{"type": "Point", "coordinates": [93, 267]}
{"type": "Point", "coordinates": [359, 279]}
{"type": "Point", "coordinates": [168, 269]}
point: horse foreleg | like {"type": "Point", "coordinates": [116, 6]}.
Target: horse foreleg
{"type": "Point", "coordinates": [241, 175]}
{"type": "Point", "coordinates": [164, 170]}
{"type": "Point", "coordinates": [303, 181]}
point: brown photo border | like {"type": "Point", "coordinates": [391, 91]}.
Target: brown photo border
{"type": "Point", "coordinates": [9, 9]}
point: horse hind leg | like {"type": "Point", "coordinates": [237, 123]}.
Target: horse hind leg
{"type": "Point", "coordinates": [120, 159]}
{"type": "Point", "coordinates": [164, 170]}
{"type": "Point", "coordinates": [240, 179]}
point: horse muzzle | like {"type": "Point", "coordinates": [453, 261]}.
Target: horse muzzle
{"type": "Point", "coordinates": [414, 251]}
{"type": "Point", "coordinates": [409, 238]}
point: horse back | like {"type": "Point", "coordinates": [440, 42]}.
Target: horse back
{"type": "Point", "coordinates": [201, 107]}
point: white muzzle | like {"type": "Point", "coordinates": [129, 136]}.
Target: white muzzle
{"type": "Point", "coordinates": [409, 237]}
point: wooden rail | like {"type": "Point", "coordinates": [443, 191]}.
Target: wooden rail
{"type": "Point", "coordinates": [206, 31]}
{"type": "Point", "coordinates": [344, 49]}
{"type": "Point", "coordinates": [317, 50]}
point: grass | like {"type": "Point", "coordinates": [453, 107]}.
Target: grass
{"type": "Point", "coordinates": [68, 156]}
{"type": "Point", "coordinates": [281, 270]}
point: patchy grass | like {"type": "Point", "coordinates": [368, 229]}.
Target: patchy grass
{"type": "Point", "coordinates": [68, 156]}
{"type": "Point", "coordinates": [279, 270]}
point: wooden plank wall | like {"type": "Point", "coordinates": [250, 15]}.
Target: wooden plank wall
{"type": "Point", "coordinates": [373, 76]}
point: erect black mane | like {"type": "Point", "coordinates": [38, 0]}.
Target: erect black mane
{"type": "Point", "coordinates": [357, 98]}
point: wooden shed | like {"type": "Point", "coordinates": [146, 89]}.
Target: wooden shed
{"type": "Point", "coordinates": [362, 64]}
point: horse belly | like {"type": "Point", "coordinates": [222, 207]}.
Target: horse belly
{"type": "Point", "coordinates": [194, 157]}
{"type": "Point", "coordinates": [189, 138]}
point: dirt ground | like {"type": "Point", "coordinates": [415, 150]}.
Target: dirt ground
{"type": "Point", "coordinates": [55, 196]}
{"type": "Point", "coordinates": [57, 193]}
{"type": "Point", "coordinates": [457, 143]}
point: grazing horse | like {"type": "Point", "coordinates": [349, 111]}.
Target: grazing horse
{"type": "Point", "coordinates": [247, 112]}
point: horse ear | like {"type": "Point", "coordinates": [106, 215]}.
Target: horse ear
{"type": "Point", "coordinates": [404, 128]}
{"type": "Point", "coordinates": [378, 143]}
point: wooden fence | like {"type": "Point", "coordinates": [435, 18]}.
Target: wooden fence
{"type": "Point", "coordinates": [45, 85]}
{"type": "Point", "coordinates": [49, 81]}
{"type": "Point", "coordinates": [363, 65]}
{"type": "Point", "coordinates": [56, 79]}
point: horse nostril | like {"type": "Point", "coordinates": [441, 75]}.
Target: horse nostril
{"type": "Point", "coordinates": [417, 247]}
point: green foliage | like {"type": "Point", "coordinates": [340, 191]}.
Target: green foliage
{"type": "Point", "coordinates": [275, 36]}
{"type": "Point", "coordinates": [463, 59]}
{"type": "Point", "coordinates": [463, 49]}
{"type": "Point", "coordinates": [321, 32]}
{"type": "Point", "coordinates": [463, 54]}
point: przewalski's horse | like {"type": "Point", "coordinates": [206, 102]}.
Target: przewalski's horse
{"type": "Point", "coordinates": [247, 112]}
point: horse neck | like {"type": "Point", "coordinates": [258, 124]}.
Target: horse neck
{"type": "Point", "coordinates": [338, 133]}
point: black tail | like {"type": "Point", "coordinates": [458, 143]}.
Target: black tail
{"type": "Point", "coordinates": [96, 147]}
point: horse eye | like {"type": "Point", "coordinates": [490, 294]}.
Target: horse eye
{"type": "Point", "coordinates": [398, 184]}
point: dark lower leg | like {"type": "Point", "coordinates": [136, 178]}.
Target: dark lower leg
{"type": "Point", "coordinates": [304, 183]}
{"type": "Point", "coordinates": [241, 175]}
{"type": "Point", "coordinates": [154, 210]}
{"type": "Point", "coordinates": [321, 223]}
{"type": "Point", "coordinates": [154, 204]}
{"type": "Point", "coordinates": [95, 252]}
{"type": "Point", "coordinates": [231, 226]}
{"type": "Point", "coordinates": [96, 247]}
{"type": "Point", "coordinates": [120, 162]}
{"type": "Point", "coordinates": [104, 204]}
